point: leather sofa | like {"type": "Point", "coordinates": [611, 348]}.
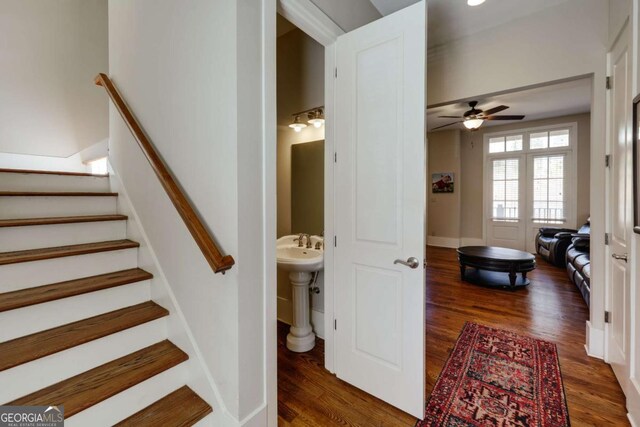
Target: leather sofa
{"type": "Point", "coordinates": [552, 244]}
{"type": "Point", "coordinates": [578, 262]}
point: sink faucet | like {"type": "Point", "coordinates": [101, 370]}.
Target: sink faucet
{"type": "Point", "coordinates": [299, 240]}
{"type": "Point", "coordinates": [309, 246]}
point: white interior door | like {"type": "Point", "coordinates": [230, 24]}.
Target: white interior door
{"type": "Point", "coordinates": [505, 221]}
{"type": "Point", "coordinates": [380, 208]}
{"type": "Point", "coordinates": [620, 211]}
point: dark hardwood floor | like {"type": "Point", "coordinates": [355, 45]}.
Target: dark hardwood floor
{"type": "Point", "coordinates": [551, 308]}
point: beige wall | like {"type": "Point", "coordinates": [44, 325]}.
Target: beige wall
{"type": "Point", "coordinates": [471, 155]}
{"type": "Point", "coordinates": [444, 208]}
{"type": "Point", "coordinates": [300, 68]}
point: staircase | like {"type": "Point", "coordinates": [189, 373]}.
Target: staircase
{"type": "Point", "coordinates": [77, 324]}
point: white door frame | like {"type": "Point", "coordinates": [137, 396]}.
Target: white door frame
{"type": "Point", "coordinates": [312, 21]}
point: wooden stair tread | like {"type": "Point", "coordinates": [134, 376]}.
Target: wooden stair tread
{"type": "Point", "coordinates": [65, 251]}
{"type": "Point", "coordinates": [31, 347]}
{"type": "Point", "coordinates": [59, 220]}
{"type": "Point", "coordinates": [182, 408]}
{"type": "Point", "coordinates": [43, 172]}
{"type": "Point", "coordinates": [89, 388]}
{"type": "Point", "coordinates": [57, 194]}
{"type": "Point", "coordinates": [70, 288]}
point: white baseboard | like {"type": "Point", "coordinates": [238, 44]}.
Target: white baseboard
{"type": "Point", "coordinates": [595, 341]}
{"type": "Point", "coordinates": [284, 315]}
{"type": "Point", "coordinates": [633, 402]}
{"type": "Point", "coordinates": [443, 242]}
{"type": "Point", "coordinates": [471, 241]}
{"type": "Point", "coordinates": [257, 418]}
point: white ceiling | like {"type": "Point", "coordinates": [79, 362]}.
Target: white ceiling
{"type": "Point", "coordinates": [454, 19]}
{"type": "Point", "coordinates": [573, 97]}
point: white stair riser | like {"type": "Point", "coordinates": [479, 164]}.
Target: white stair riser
{"type": "Point", "coordinates": [45, 236]}
{"type": "Point", "coordinates": [47, 182]}
{"type": "Point", "coordinates": [40, 373]}
{"type": "Point", "coordinates": [40, 317]}
{"type": "Point", "coordinates": [36, 273]}
{"type": "Point", "coordinates": [132, 400]}
{"type": "Point", "coordinates": [48, 206]}
{"type": "Point", "coordinates": [205, 422]}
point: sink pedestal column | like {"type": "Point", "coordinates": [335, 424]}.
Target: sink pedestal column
{"type": "Point", "coordinates": [301, 337]}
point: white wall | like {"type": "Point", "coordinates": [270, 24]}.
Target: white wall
{"type": "Point", "coordinates": [190, 72]}
{"type": "Point", "coordinates": [75, 163]}
{"type": "Point", "coordinates": [557, 43]}
{"type": "Point", "coordinates": [51, 51]}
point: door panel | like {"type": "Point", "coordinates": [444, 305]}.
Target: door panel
{"type": "Point", "coordinates": [505, 225]}
{"type": "Point", "coordinates": [380, 208]}
{"type": "Point", "coordinates": [620, 211]}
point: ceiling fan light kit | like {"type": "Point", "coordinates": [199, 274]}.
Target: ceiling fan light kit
{"type": "Point", "coordinates": [474, 118]}
{"type": "Point", "coordinates": [473, 124]}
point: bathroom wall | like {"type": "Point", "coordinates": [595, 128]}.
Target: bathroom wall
{"type": "Point", "coordinates": [300, 86]}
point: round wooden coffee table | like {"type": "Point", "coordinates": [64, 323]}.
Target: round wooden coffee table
{"type": "Point", "coordinates": [490, 262]}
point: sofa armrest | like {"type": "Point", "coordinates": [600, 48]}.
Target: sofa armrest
{"type": "Point", "coordinates": [563, 235]}
{"type": "Point", "coordinates": [581, 236]}
{"type": "Point", "coordinates": [581, 242]}
{"type": "Point", "coordinates": [552, 231]}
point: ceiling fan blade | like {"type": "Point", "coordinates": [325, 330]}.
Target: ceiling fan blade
{"type": "Point", "coordinates": [494, 110]}
{"type": "Point", "coordinates": [504, 118]}
{"type": "Point", "coordinates": [451, 117]}
{"type": "Point", "coordinates": [444, 126]}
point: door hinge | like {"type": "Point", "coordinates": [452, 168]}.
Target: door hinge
{"type": "Point", "coordinates": [606, 238]}
{"type": "Point", "coordinates": [607, 160]}
{"type": "Point", "coordinates": [336, 72]}
{"type": "Point", "coordinates": [335, 241]}
{"type": "Point", "coordinates": [607, 317]}
{"type": "Point", "coordinates": [609, 83]}
{"type": "Point", "coordinates": [335, 157]}
{"type": "Point", "coordinates": [335, 324]}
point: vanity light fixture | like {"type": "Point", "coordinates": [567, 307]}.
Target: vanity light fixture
{"type": "Point", "coordinates": [315, 117]}
{"type": "Point", "coordinates": [297, 125]}
{"type": "Point", "coordinates": [475, 2]}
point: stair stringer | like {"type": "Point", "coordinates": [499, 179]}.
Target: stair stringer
{"type": "Point", "coordinates": [199, 377]}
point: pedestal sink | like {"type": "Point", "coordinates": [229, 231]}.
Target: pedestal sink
{"type": "Point", "coordinates": [301, 263]}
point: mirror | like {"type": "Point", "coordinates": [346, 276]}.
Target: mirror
{"type": "Point", "coordinates": [307, 187]}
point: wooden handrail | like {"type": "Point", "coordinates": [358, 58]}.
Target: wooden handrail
{"type": "Point", "coordinates": [216, 260]}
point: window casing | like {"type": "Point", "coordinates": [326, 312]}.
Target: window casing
{"type": "Point", "coordinates": [544, 159]}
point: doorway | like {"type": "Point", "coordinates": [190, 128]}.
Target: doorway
{"type": "Point", "coordinates": [380, 327]}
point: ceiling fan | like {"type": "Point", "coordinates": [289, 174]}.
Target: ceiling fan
{"type": "Point", "coordinates": [474, 118]}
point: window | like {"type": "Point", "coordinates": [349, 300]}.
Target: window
{"type": "Point", "coordinates": [505, 189]}
{"type": "Point", "coordinates": [553, 139]}
{"type": "Point", "coordinates": [505, 144]}
{"type": "Point", "coordinates": [548, 189]}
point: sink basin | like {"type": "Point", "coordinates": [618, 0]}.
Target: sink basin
{"type": "Point", "coordinates": [295, 259]}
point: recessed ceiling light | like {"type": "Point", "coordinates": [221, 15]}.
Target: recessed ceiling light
{"type": "Point", "coordinates": [475, 2]}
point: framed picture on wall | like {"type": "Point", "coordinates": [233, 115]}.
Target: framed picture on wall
{"type": "Point", "coordinates": [636, 165]}
{"type": "Point", "coordinates": [442, 182]}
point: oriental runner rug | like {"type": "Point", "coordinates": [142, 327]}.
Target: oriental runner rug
{"type": "Point", "coordinates": [498, 378]}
